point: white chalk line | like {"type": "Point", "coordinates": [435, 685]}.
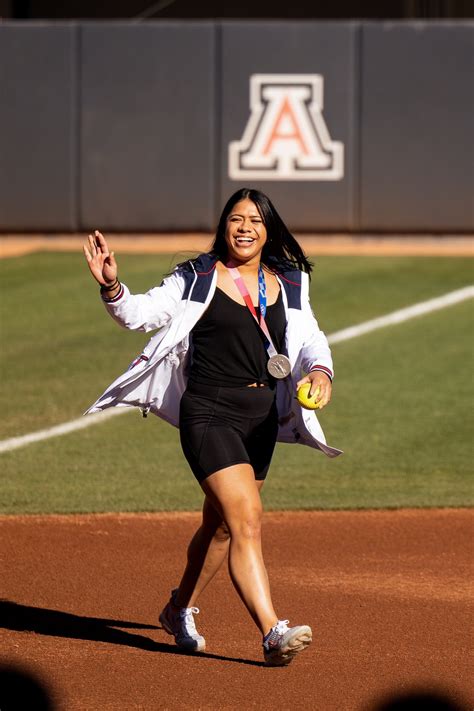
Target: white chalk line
{"type": "Point", "coordinates": [423, 307]}
{"type": "Point", "coordinates": [346, 334]}
{"type": "Point", "coordinates": [6, 445]}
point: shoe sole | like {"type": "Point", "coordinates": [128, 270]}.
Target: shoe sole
{"type": "Point", "coordinates": [191, 647]}
{"type": "Point", "coordinates": [292, 645]}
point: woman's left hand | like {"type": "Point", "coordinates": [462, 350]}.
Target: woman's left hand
{"type": "Point", "coordinates": [318, 378]}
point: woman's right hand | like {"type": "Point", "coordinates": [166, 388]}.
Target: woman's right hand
{"type": "Point", "coordinates": [101, 262]}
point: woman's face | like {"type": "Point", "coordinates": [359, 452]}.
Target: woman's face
{"type": "Point", "coordinates": [245, 233]}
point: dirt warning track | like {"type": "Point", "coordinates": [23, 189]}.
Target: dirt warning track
{"type": "Point", "coordinates": [358, 245]}
{"type": "Point", "coordinates": [386, 593]}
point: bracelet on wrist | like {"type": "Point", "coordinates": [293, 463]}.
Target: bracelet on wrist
{"type": "Point", "coordinates": [110, 287]}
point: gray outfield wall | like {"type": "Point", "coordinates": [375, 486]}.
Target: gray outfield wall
{"type": "Point", "coordinates": [150, 127]}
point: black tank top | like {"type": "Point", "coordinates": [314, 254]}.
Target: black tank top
{"type": "Point", "coordinates": [228, 345]}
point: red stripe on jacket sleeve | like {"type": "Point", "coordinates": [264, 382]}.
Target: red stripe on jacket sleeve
{"type": "Point", "coordinates": [117, 297]}
{"type": "Point", "coordinates": [323, 369]}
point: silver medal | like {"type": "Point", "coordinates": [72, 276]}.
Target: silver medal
{"type": "Point", "coordinates": [279, 366]}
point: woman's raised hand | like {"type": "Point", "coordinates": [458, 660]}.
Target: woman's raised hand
{"type": "Point", "coordinates": [101, 262]}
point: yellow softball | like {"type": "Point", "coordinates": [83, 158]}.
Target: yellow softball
{"type": "Point", "coordinates": [304, 399]}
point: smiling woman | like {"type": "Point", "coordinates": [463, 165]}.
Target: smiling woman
{"type": "Point", "coordinates": [245, 233]}
{"type": "Point", "coordinates": [244, 308]}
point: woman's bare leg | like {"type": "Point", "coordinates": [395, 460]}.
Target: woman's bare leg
{"type": "Point", "coordinates": [233, 492]}
{"type": "Point", "coordinates": [207, 551]}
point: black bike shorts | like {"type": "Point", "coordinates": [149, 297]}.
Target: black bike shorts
{"type": "Point", "coordinates": [221, 426]}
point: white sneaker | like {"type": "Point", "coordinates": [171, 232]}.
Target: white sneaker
{"type": "Point", "coordinates": [283, 643]}
{"type": "Point", "coordinates": [180, 623]}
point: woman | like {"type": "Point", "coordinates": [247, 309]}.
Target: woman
{"type": "Point", "coordinates": [236, 335]}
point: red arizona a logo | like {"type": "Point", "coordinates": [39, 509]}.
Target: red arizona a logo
{"type": "Point", "coordinates": [286, 137]}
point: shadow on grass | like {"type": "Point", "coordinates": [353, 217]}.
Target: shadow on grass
{"type": "Point", "coordinates": [53, 623]}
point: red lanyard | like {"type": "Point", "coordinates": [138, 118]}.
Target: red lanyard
{"type": "Point", "coordinates": [241, 286]}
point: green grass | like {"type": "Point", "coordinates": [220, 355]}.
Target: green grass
{"type": "Point", "coordinates": [402, 411]}
{"type": "Point", "coordinates": [401, 408]}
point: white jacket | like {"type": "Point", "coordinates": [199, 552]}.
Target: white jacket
{"type": "Point", "coordinates": [156, 380]}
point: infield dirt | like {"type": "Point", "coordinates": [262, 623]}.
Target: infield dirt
{"type": "Point", "coordinates": [386, 593]}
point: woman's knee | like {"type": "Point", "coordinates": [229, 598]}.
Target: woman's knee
{"type": "Point", "coordinates": [213, 526]}
{"type": "Point", "coordinates": [246, 522]}
{"type": "Point", "coordinates": [236, 498]}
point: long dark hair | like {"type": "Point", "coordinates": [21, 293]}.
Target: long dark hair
{"type": "Point", "coordinates": [281, 248]}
